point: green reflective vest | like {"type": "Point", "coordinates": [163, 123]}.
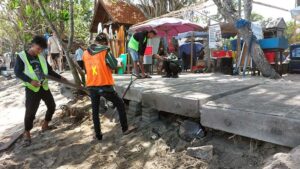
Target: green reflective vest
{"type": "Point", "coordinates": [134, 44]}
{"type": "Point", "coordinates": [28, 70]}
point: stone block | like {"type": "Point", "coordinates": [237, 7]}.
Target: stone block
{"type": "Point", "coordinates": [149, 114]}
{"type": "Point", "coordinates": [135, 108]}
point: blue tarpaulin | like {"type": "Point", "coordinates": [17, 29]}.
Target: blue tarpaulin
{"type": "Point", "coordinates": [185, 49]}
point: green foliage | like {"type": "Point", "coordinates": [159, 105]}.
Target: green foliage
{"type": "Point", "coordinates": [23, 19]}
{"type": "Point", "coordinates": [20, 24]}
{"type": "Point", "coordinates": [64, 15]}
{"type": "Point", "coordinates": [14, 4]}
{"type": "Point", "coordinates": [28, 10]}
{"type": "Point", "coordinates": [52, 16]}
{"type": "Point", "coordinates": [82, 19]}
{"type": "Point", "coordinates": [291, 32]}
{"type": "Point", "coordinates": [46, 1]}
{"type": "Point", "coordinates": [255, 17]}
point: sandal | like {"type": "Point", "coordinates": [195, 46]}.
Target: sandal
{"type": "Point", "coordinates": [130, 130]}
{"type": "Point", "coordinates": [140, 77]}
{"type": "Point", "coordinates": [49, 128]}
{"type": "Point", "coordinates": [148, 76]}
{"type": "Point", "coordinates": [26, 142]}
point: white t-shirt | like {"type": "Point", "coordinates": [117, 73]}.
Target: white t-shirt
{"type": "Point", "coordinates": [54, 45]}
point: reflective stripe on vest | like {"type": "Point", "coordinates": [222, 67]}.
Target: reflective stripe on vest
{"type": "Point", "coordinates": [28, 70]}
{"type": "Point", "coordinates": [97, 71]}
{"type": "Point", "coordinates": [134, 44]}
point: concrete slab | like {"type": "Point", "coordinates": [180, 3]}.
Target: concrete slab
{"type": "Point", "coordinates": [141, 85]}
{"type": "Point", "coordinates": [268, 112]}
{"type": "Point", "coordinates": [254, 107]}
{"type": "Point", "coordinates": [184, 95]}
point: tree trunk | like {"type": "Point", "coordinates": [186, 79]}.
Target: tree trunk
{"type": "Point", "coordinates": [61, 23]}
{"type": "Point", "coordinates": [69, 60]}
{"type": "Point", "coordinates": [248, 9]}
{"type": "Point", "coordinates": [226, 8]}
{"type": "Point", "coordinates": [258, 55]}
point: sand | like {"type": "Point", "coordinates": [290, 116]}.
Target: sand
{"type": "Point", "coordinates": [72, 145]}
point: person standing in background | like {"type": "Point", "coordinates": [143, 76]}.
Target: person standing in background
{"type": "Point", "coordinates": [78, 56]}
{"type": "Point", "coordinates": [55, 51]}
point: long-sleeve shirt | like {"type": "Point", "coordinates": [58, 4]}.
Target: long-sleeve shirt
{"type": "Point", "coordinates": [34, 61]}
{"type": "Point", "coordinates": [142, 38]}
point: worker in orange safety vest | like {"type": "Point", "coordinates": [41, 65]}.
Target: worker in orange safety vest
{"type": "Point", "coordinates": [99, 63]}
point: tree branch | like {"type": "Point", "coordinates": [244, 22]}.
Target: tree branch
{"type": "Point", "coordinates": [247, 8]}
{"type": "Point", "coordinates": [226, 8]}
{"type": "Point", "coordinates": [66, 50]}
{"type": "Point", "coordinates": [45, 14]}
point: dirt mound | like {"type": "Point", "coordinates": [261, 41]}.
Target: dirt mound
{"type": "Point", "coordinates": [153, 146]}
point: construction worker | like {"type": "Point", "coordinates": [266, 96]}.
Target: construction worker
{"type": "Point", "coordinates": [136, 47]}
{"type": "Point", "coordinates": [99, 63]}
{"type": "Point", "coordinates": [31, 67]}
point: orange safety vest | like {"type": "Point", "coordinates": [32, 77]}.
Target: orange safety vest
{"type": "Point", "coordinates": [97, 72]}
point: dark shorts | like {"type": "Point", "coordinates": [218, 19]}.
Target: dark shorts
{"type": "Point", "coordinates": [54, 56]}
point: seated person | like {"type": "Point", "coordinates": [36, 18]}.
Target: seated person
{"type": "Point", "coordinates": [170, 65]}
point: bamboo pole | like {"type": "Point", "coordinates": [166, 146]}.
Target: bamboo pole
{"type": "Point", "coordinates": [192, 51]}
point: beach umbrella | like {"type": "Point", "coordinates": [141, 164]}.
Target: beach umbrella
{"type": "Point", "coordinates": [167, 26]}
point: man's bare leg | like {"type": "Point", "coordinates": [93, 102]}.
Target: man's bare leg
{"type": "Point", "coordinates": [27, 134]}
{"type": "Point", "coordinates": [141, 61]}
{"type": "Point", "coordinates": [45, 125]}
{"type": "Point", "coordinates": [27, 138]}
{"type": "Point", "coordinates": [55, 64]}
{"type": "Point", "coordinates": [59, 63]}
{"type": "Point", "coordinates": [135, 66]}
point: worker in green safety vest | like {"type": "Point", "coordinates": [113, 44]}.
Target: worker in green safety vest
{"type": "Point", "coordinates": [31, 67]}
{"type": "Point", "coordinates": [136, 47]}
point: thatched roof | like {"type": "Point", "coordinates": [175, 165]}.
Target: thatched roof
{"type": "Point", "coordinates": [119, 12]}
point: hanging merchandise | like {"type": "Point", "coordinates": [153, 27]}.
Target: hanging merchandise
{"type": "Point", "coordinates": [257, 31]}
{"type": "Point", "coordinates": [121, 40]}
{"type": "Point", "coordinates": [111, 40]}
{"type": "Point", "coordinates": [100, 28]}
{"type": "Point", "coordinates": [215, 36]}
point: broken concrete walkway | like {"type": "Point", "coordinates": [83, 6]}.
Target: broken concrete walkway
{"type": "Point", "coordinates": [254, 107]}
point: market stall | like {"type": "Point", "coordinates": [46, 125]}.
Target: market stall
{"type": "Point", "coordinates": [190, 51]}
{"type": "Point", "coordinates": [167, 29]}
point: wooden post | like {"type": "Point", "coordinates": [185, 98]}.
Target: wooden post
{"type": "Point", "coordinates": [238, 41]}
{"type": "Point", "coordinates": [192, 51]}
{"type": "Point", "coordinates": [281, 65]}
{"type": "Point", "coordinates": [209, 55]}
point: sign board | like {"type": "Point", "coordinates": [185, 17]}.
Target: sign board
{"type": "Point", "coordinates": [257, 31]}
{"type": "Point", "coordinates": [215, 36]}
